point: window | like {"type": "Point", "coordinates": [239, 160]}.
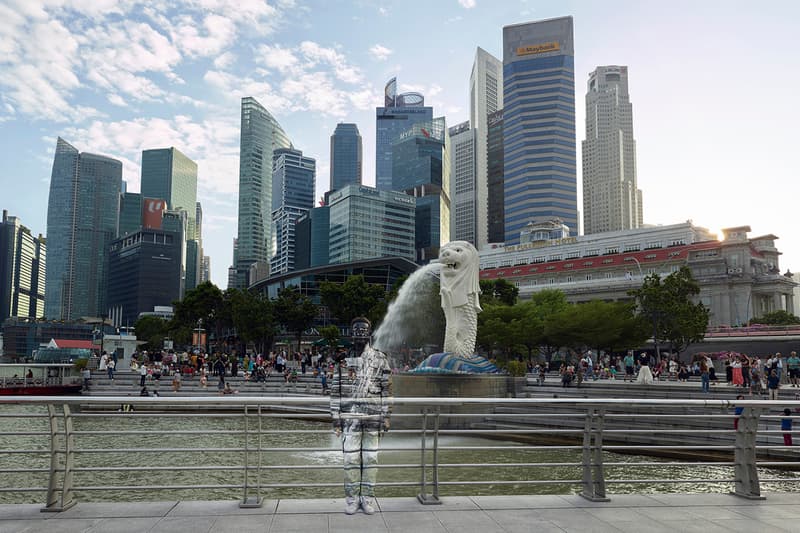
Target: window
{"type": "Point", "coordinates": [591, 253]}
{"type": "Point", "coordinates": [652, 244]}
{"type": "Point", "coordinates": [612, 250]}
{"type": "Point", "coordinates": [632, 247]}
{"type": "Point", "coordinates": [588, 277]}
{"type": "Point", "coordinates": [555, 257]}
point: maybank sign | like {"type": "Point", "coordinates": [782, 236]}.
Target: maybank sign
{"type": "Point", "coordinates": [538, 48]}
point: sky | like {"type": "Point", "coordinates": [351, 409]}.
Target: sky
{"type": "Point", "coordinates": [712, 85]}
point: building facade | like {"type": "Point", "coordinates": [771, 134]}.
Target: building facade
{"type": "Point", "coordinates": [260, 135]}
{"type": "Point", "coordinates": [23, 260]}
{"type": "Point", "coordinates": [346, 156]}
{"type": "Point", "coordinates": [366, 223]}
{"type": "Point", "coordinates": [144, 271]}
{"type": "Point", "coordinates": [739, 277]}
{"type": "Point", "coordinates": [464, 184]}
{"type": "Point", "coordinates": [611, 199]}
{"type": "Point", "coordinates": [130, 213]}
{"type": "Point", "coordinates": [170, 175]}
{"type": "Point", "coordinates": [421, 168]}
{"type": "Point", "coordinates": [293, 181]}
{"type": "Point", "coordinates": [82, 220]}
{"type": "Point", "coordinates": [399, 113]}
{"type": "Point", "coordinates": [486, 97]}
{"type": "Point", "coordinates": [495, 183]}
{"type": "Point", "coordinates": [540, 175]}
{"type": "Point", "coordinates": [312, 238]}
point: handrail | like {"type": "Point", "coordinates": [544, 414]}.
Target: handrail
{"type": "Point", "coordinates": [244, 451]}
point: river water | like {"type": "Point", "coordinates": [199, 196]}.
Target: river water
{"type": "Point", "coordinates": [301, 466]}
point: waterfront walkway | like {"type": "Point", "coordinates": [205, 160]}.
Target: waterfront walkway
{"type": "Point", "coordinates": [706, 513]}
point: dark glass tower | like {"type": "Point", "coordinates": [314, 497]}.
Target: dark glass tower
{"type": "Point", "coordinates": [82, 220]}
{"type": "Point", "coordinates": [494, 163]}
{"type": "Point", "coordinates": [399, 114]}
{"type": "Point", "coordinates": [293, 177]}
{"type": "Point", "coordinates": [346, 156]}
{"type": "Point", "coordinates": [539, 125]}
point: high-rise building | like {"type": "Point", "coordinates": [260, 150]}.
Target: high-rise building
{"type": "Point", "coordinates": [232, 269]}
{"type": "Point", "coordinates": [312, 238]}
{"type": "Point", "coordinates": [23, 258]}
{"type": "Point", "coordinates": [494, 163]}
{"type": "Point", "coordinates": [205, 271]}
{"type": "Point", "coordinates": [485, 98]}
{"type": "Point", "coordinates": [539, 125]}
{"type": "Point", "coordinates": [399, 113]}
{"type": "Point", "coordinates": [293, 179]}
{"type": "Point", "coordinates": [421, 168]}
{"type": "Point", "coordinates": [346, 156]}
{"type": "Point", "coordinates": [366, 223]}
{"type": "Point", "coordinates": [144, 271]}
{"type": "Point", "coordinates": [463, 184]}
{"type": "Point", "coordinates": [611, 199]}
{"type": "Point", "coordinates": [170, 175]}
{"type": "Point", "coordinates": [82, 220]}
{"type": "Point", "coordinates": [130, 213]}
{"type": "Point", "coordinates": [260, 135]}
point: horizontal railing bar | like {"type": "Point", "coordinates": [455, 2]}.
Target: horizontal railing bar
{"type": "Point", "coordinates": [667, 447]}
{"type": "Point", "coordinates": [23, 470]}
{"type": "Point", "coordinates": [659, 480]}
{"type": "Point", "coordinates": [776, 479]}
{"type": "Point", "coordinates": [511, 482]}
{"type": "Point", "coordinates": [23, 489]}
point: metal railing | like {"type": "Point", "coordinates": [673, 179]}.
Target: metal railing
{"type": "Point", "coordinates": [280, 444]}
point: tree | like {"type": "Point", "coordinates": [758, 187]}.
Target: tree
{"type": "Point", "coordinates": [253, 317]}
{"type": "Point", "coordinates": [331, 336]}
{"type": "Point", "coordinates": [777, 318]}
{"type": "Point", "coordinates": [205, 302]}
{"type": "Point", "coordinates": [498, 291]}
{"type": "Point", "coordinates": [295, 312]}
{"type": "Point", "coordinates": [667, 305]}
{"type": "Point", "coordinates": [152, 330]}
{"type": "Point", "coordinates": [353, 298]}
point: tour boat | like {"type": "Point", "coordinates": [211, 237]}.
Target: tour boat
{"type": "Point", "coordinates": [39, 379]}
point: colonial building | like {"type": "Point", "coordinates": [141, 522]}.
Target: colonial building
{"type": "Point", "coordinates": [739, 276]}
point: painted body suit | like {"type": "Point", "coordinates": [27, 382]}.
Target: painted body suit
{"type": "Point", "coordinates": [360, 410]}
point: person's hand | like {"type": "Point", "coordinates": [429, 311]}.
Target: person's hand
{"type": "Point", "coordinates": [386, 425]}
{"type": "Point", "coordinates": [338, 431]}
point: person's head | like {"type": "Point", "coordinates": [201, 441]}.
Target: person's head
{"type": "Point", "coordinates": [740, 396]}
{"type": "Point", "coordinates": [787, 411]}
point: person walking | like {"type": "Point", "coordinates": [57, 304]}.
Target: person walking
{"type": "Point", "coordinates": [704, 376]}
{"type": "Point", "coordinates": [736, 372]}
{"type": "Point", "coordinates": [786, 427]}
{"type": "Point", "coordinates": [793, 366]}
{"type": "Point", "coordinates": [142, 374]}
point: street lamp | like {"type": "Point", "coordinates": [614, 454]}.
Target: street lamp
{"type": "Point", "coordinates": [654, 313]}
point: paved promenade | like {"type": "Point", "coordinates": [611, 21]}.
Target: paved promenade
{"type": "Point", "coordinates": [706, 513]}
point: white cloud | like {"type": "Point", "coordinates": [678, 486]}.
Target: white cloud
{"type": "Point", "coordinates": [316, 54]}
{"type": "Point", "coordinates": [224, 60]}
{"type": "Point", "coordinates": [219, 33]}
{"type": "Point", "coordinates": [117, 100]}
{"type": "Point", "coordinates": [380, 52]}
{"type": "Point", "coordinates": [276, 57]}
{"type": "Point", "coordinates": [466, 4]}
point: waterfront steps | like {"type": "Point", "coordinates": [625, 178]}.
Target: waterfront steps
{"type": "Point", "coordinates": [706, 513]}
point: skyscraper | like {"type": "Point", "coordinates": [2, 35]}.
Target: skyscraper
{"type": "Point", "coordinates": [23, 258]}
{"type": "Point", "coordinates": [260, 135]}
{"type": "Point", "coordinates": [366, 223]}
{"type": "Point", "coordinates": [399, 113]}
{"type": "Point", "coordinates": [486, 97]}
{"type": "Point", "coordinates": [494, 162]}
{"type": "Point", "coordinates": [293, 178]}
{"type": "Point", "coordinates": [82, 219]}
{"type": "Point", "coordinates": [130, 213]}
{"type": "Point", "coordinates": [421, 168]}
{"type": "Point", "coordinates": [540, 180]}
{"type": "Point", "coordinates": [171, 176]}
{"type": "Point", "coordinates": [463, 185]}
{"type": "Point", "coordinates": [312, 238]}
{"type": "Point", "coordinates": [611, 199]}
{"type": "Point", "coordinates": [346, 156]}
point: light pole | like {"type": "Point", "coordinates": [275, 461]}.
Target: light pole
{"type": "Point", "coordinates": [654, 314]}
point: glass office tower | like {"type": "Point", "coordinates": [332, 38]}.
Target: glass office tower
{"type": "Point", "coordinates": [293, 179]}
{"type": "Point", "coordinates": [539, 125]}
{"type": "Point", "coordinates": [82, 220]}
{"type": "Point", "coordinates": [346, 156]}
{"type": "Point", "coordinates": [399, 113]}
{"type": "Point", "coordinates": [260, 136]}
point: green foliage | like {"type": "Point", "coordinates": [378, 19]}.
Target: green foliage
{"type": "Point", "coordinates": [777, 318]}
{"type": "Point", "coordinates": [294, 311]}
{"type": "Point", "coordinates": [668, 307]}
{"type": "Point", "coordinates": [516, 368]}
{"type": "Point", "coordinates": [353, 298]}
{"type": "Point", "coordinates": [80, 364]}
{"type": "Point", "coordinates": [204, 302]}
{"type": "Point", "coordinates": [152, 330]}
{"type": "Point", "coordinates": [498, 291]}
{"type": "Point", "coordinates": [331, 335]}
{"type": "Point", "coordinates": [253, 317]}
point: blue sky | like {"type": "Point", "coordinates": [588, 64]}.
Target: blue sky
{"type": "Point", "coordinates": [711, 82]}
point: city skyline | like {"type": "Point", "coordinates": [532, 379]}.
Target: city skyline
{"type": "Point", "coordinates": [704, 130]}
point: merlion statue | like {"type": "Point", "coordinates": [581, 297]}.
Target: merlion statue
{"type": "Point", "coordinates": [460, 291]}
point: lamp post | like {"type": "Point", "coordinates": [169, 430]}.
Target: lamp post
{"type": "Point", "coordinates": [654, 313]}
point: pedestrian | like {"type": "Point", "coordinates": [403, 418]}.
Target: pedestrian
{"type": "Point", "coordinates": [704, 376]}
{"type": "Point", "coordinates": [110, 367]}
{"type": "Point", "coordinates": [142, 374]}
{"type": "Point", "coordinates": [737, 411]}
{"type": "Point", "coordinates": [645, 376]}
{"type": "Point", "coordinates": [176, 380]}
{"type": "Point", "coordinates": [793, 366]}
{"type": "Point", "coordinates": [627, 361]}
{"type": "Point", "coordinates": [773, 384]}
{"type": "Point", "coordinates": [786, 427]}
{"type": "Point", "coordinates": [736, 371]}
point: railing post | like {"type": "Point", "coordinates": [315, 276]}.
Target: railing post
{"type": "Point", "coordinates": [248, 502]}
{"type": "Point", "coordinates": [744, 456]}
{"type": "Point", "coordinates": [423, 497]}
{"type": "Point", "coordinates": [594, 485]}
{"type": "Point", "coordinates": [60, 499]}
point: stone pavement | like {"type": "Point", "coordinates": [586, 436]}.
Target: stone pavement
{"type": "Point", "coordinates": [706, 513]}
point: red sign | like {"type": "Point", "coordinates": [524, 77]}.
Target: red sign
{"type": "Point", "coordinates": [153, 212]}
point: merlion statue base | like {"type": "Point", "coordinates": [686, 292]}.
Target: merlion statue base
{"type": "Point", "coordinates": [451, 363]}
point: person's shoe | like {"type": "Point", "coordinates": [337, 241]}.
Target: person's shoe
{"type": "Point", "coordinates": [351, 505]}
{"type": "Point", "coordinates": [367, 504]}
